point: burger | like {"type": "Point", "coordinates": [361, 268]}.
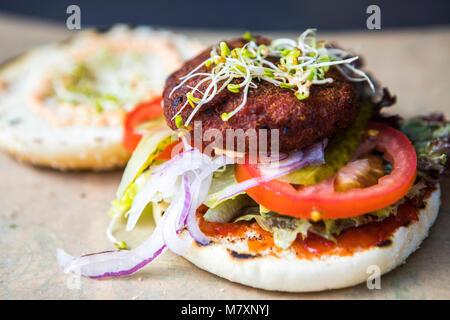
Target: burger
{"type": "Point", "coordinates": [276, 168]}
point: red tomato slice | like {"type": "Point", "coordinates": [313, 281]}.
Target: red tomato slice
{"type": "Point", "coordinates": [144, 111]}
{"type": "Point", "coordinates": [283, 198]}
{"type": "Point", "coordinates": [169, 151]}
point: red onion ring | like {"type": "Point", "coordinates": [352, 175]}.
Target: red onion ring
{"type": "Point", "coordinates": [115, 263]}
{"type": "Point", "coordinates": [313, 154]}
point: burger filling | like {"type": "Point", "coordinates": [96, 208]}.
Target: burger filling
{"type": "Point", "coordinates": [350, 171]}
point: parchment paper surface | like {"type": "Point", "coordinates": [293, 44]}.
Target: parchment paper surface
{"type": "Point", "coordinates": [41, 209]}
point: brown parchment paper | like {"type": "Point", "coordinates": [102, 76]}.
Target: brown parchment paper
{"type": "Point", "coordinates": [41, 209]}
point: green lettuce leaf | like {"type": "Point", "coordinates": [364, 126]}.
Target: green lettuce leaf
{"type": "Point", "coordinates": [220, 181]}
{"type": "Point", "coordinates": [431, 139]}
{"type": "Point", "coordinates": [158, 136]}
{"type": "Point", "coordinates": [156, 139]}
{"type": "Point", "coordinates": [227, 210]}
{"type": "Point", "coordinates": [285, 229]}
{"type": "Point", "coordinates": [123, 204]}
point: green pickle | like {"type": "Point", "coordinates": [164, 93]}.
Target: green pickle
{"type": "Point", "coordinates": [338, 153]}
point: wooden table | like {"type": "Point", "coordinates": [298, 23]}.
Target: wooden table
{"type": "Point", "coordinates": [41, 210]}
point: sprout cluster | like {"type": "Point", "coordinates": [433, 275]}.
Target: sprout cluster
{"type": "Point", "coordinates": [301, 63]}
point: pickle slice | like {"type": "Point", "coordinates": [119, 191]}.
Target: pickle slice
{"type": "Point", "coordinates": [338, 153]}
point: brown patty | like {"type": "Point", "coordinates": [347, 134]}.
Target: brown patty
{"type": "Point", "coordinates": [300, 122]}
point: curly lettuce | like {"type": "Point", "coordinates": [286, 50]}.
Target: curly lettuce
{"type": "Point", "coordinates": [431, 138]}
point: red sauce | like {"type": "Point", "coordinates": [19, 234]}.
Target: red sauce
{"type": "Point", "coordinates": [352, 240]}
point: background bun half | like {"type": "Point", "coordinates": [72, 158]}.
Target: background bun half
{"type": "Point", "coordinates": [36, 129]}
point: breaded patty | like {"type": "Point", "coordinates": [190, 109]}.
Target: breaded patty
{"type": "Point", "coordinates": [329, 107]}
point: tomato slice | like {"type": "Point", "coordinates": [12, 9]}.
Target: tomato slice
{"type": "Point", "coordinates": [169, 151]}
{"type": "Point", "coordinates": [322, 200]}
{"type": "Point", "coordinates": [144, 111]}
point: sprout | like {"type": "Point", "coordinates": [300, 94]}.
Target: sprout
{"type": "Point", "coordinates": [263, 51]}
{"type": "Point", "coordinates": [312, 74]}
{"type": "Point", "coordinates": [178, 121]}
{"type": "Point", "coordinates": [248, 36]}
{"type": "Point", "coordinates": [121, 245]}
{"type": "Point", "coordinates": [224, 50]}
{"type": "Point", "coordinates": [268, 73]}
{"type": "Point", "coordinates": [285, 52]}
{"type": "Point", "coordinates": [314, 43]}
{"type": "Point", "coordinates": [192, 100]}
{"type": "Point", "coordinates": [224, 116]}
{"type": "Point", "coordinates": [301, 95]}
{"type": "Point", "coordinates": [248, 54]}
{"type": "Point", "coordinates": [287, 86]}
{"type": "Point", "coordinates": [233, 88]}
{"type": "Point", "coordinates": [301, 63]}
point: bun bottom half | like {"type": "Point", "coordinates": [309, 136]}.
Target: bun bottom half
{"type": "Point", "coordinates": [230, 260]}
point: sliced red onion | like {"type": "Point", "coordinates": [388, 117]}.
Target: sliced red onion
{"type": "Point", "coordinates": [185, 161]}
{"type": "Point", "coordinates": [114, 263]}
{"type": "Point", "coordinates": [186, 204]}
{"type": "Point", "coordinates": [191, 221]}
{"type": "Point", "coordinates": [313, 154]}
{"type": "Point", "coordinates": [279, 156]}
{"type": "Point", "coordinates": [178, 210]}
{"type": "Point", "coordinates": [196, 171]}
{"type": "Point", "coordinates": [200, 187]}
{"type": "Point", "coordinates": [164, 182]}
{"type": "Point", "coordinates": [274, 157]}
{"type": "Point", "coordinates": [292, 159]}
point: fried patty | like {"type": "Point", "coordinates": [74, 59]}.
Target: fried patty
{"type": "Point", "coordinates": [329, 107]}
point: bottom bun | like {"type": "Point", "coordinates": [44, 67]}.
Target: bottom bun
{"type": "Point", "coordinates": [230, 259]}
